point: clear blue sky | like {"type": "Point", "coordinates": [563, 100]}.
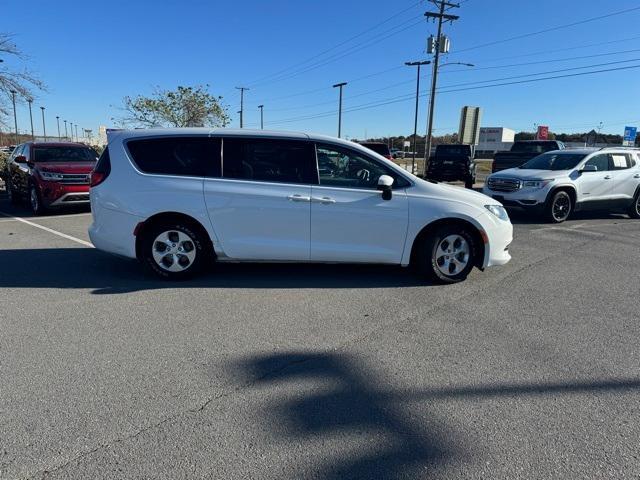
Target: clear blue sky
{"type": "Point", "coordinates": [91, 54]}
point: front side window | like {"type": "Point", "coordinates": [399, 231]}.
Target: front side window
{"type": "Point", "coordinates": [60, 154]}
{"type": "Point", "coordinates": [341, 167]}
{"type": "Point", "coordinates": [269, 160]}
{"type": "Point", "coordinates": [601, 162]}
{"type": "Point", "coordinates": [183, 156]}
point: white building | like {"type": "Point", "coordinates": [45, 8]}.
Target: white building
{"type": "Point", "coordinates": [495, 139]}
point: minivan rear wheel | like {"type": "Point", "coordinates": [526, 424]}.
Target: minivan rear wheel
{"type": "Point", "coordinates": [447, 255]}
{"type": "Point", "coordinates": [174, 251]}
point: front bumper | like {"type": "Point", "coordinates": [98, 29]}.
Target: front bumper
{"type": "Point", "coordinates": [499, 235]}
{"type": "Point", "coordinates": [56, 194]}
{"type": "Point", "coordinates": [528, 199]}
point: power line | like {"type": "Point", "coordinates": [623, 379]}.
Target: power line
{"type": "Point", "coordinates": [551, 29]}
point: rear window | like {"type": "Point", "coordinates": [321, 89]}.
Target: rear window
{"type": "Point", "coordinates": [379, 148]}
{"type": "Point", "coordinates": [63, 154]}
{"type": "Point", "coordinates": [534, 147]}
{"type": "Point", "coordinates": [269, 160]}
{"type": "Point", "coordinates": [184, 156]}
{"type": "Point", "coordinates": [453, 150]}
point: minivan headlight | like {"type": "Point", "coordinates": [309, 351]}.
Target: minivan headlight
{"type": "Point", "coordinates": [536, 183]}
{"type": "Point", "coordinates": [499, 211]}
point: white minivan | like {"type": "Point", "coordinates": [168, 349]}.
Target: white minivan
{"type": "Point", "coordinates": [179, 199]}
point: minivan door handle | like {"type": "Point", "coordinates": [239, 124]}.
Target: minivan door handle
{"type": "Point", "coordinates": [608, 177]}
{"type": "Point", "coordinates": [325, 200]}
{"type": "Point", "coordinates": [298, 198]}
{"type": "Point", "coordinates": [637, 175]}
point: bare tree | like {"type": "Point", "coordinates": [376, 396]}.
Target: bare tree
{"type": "Point", "coordinates": [21, 81]}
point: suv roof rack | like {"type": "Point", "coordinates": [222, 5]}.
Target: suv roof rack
{"type": "Point", "coordinates": [624, 147]}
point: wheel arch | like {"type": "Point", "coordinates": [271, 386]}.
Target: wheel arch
{"type": "Point", "coordinates": [570, 189]}
{"type": "Point", "coordinates": [474, 229]}
{"type": "Point", "coordinates": [163, 217]}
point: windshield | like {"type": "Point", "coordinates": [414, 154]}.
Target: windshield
{"type": "Point", "coordinates": [64, 154]}
{"type": "Point", "coordinates": [534, 147]}
{"type": "Point", "coordinates": [380, 148]}
{"type": "Point", "coordinates": [554, 161]}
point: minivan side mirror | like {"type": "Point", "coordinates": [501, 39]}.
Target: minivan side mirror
{"type": "Point", "coordinates": [385, 182]}
{"type": "Point", "coordinates": [589, 168]}
{"type": "Point", "coordinates": [20, 159]}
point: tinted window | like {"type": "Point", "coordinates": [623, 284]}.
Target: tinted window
{"type": "Point", "coordinates": [534, 147]}
{"type": "Point", "coordinates": [189, 156]}
{"type": "Point", "coordinates": [60, 153]}
{"type": "Point", "coordinates": [341, 167]}
{"type": "Point", "coordinates": [554, 161]}
{"type": "Point", "coordinates": [601, 162]}
{"type": "Point", "coordinates": [453, 150]}
{"type": "Point", "coordinates": [269, 160]}
{"type": "Point", "coordinates": [380, 148]}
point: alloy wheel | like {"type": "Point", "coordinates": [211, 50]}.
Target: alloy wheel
{"type": "Point", "coordinates": [173, 251]}
{"type": "Point", "coordinates": [452, 255]}
{"type": "Point", "coordinates": [561, 207]}
{"type": "Point", "coordinates": [35, 201]}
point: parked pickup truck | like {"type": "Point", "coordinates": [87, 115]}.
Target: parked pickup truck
{"type": "Point", "coordinates": [523, 151]}
{"type": "Point", "coordinates": [453, 163]}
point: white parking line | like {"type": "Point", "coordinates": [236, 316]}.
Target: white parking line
{"type": "Point", "coordinates": [50, 230]}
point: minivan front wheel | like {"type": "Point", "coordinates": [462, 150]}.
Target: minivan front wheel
{"type": "Point", "coordinates": [174, 251]}
{"type": "Point", "coordinates": [447, 255]}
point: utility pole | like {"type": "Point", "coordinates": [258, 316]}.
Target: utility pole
{"type": "Point", "coordinates": [415, 121]}
{"type": "Point", "coordinates": [340, 85]}
{"type": "Point", "coordinates": [441, 17]}
{"type": "Point", "coordinates": [58, 122]}
{"type": "Point", "coordinates": [30, 101]}
{"type": "Point", "coordinates": [15, 117]}
{"type": "Point", "coordinates": [261, 107]}
{"type": "Point", "coordinates": [44, 129]}
{"type": "Point", "coordinates": [242, 89]}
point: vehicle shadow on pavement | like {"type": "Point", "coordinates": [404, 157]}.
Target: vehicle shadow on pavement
{"type": "Point", "coordinates": [343, 400]}
{"type": "Point", "coordinates": [339, 398]}
{"type": "Point", "coordinates": [84, 268]}
{"type": "Point", "coordinates": [518, 217]}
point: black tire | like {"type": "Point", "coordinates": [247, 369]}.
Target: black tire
{"type": "Point", "coordinates": [634, 209]}
{"type": "Point", "coordinates": [559, 207]}
{"type": "Point", "coordinates": [14, 198]}
{"type": "Point", "coordinates": [35, 201]}
{"type": "Point", "coordinates": [433, 261]}
{"type": "Point", "coordinates": [469, 183]}
{"type": "Point", "coordinates": [200, 245]}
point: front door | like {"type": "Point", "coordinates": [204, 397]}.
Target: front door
{"type": "Point", "coordinates": [260, 207]}
{"type": "Point", "coordinates": [350, 221]}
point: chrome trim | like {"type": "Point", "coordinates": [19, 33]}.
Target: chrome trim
{"type": "Point", "coordinates": [61, 201]}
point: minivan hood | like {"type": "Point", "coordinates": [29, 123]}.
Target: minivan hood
{"type": "Point", "coordinates": [66, 167]}
{"type": "Point", "coordinates": [459, 194]}
{"type": "Point", "coordinates": [525, 173]}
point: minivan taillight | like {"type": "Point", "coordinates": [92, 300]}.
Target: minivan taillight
{"type": "Point", "coordinates": [102, 170]}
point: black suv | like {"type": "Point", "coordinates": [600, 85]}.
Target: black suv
{"type": "Point", "coordinates": [453, 163]}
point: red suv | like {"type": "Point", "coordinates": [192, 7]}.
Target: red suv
{"type": "Point", "coordinates": [50, 174]}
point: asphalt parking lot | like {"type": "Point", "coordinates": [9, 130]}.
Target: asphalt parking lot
{"type": "Point", "coordinates": [530, 370]}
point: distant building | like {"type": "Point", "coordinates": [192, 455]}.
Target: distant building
{"type": "Point", "coordinates": [495, 139]}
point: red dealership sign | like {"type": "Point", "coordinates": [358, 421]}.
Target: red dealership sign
{"type": "Point", "coordinates": [543, 132]}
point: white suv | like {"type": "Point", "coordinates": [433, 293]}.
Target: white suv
{"type": "Point", "coordinates": [179, 199]}
{"type": "Point", "coordinates": [559, 182]}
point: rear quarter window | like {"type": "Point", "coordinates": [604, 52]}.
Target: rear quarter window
{"type": "Point", "coordinates": [182, 156]}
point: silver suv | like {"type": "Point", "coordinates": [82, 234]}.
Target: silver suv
{"type": "Point", "coordinates": [562, 181]}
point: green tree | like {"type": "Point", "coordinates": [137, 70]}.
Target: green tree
{"type": "Point", "coordinates": [20, 80]}
{"type": "Point", "coordinates": [183, 107]}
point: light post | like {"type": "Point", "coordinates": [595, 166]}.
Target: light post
{"type": "Point", "coordinates": [77, 139]}
{"type": "Point", "coordinates": [44, 129]}
{"type": "Point", "coordinates": [432, 101]}
{"type": "Point", "coordinates": [71, 130]}
{"type": "Point", "coordinates": [58, 122]}
{"type": "Point", "coordinates": [415, 120]}
{"type": "Point", "coordinates": [340, 85]}
{"type": "Point", "coordinates": [30, 102]}
{"type": "Point", "coordinates": [261, 107]}
{"type": "Point", "coordinates": [66, 134]}
{"type": "Point", "coordinates": [15, 117]}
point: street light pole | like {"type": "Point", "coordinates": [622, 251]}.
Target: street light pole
{"type": "Point", "coordinates": [242, 89]}
{"type": "Point", "coordinates": [30, 101]}
{"type": "Point", "coordinates": [58, 122]}
{"type": "Point", "coordinates": [261, 107]}
{"type": "Point", "coordinates": [71, 130]}
{"type": "Point", "coordinates": [15, 117]}
{"type": "Point", "coordinates": [415, 120]}
{"type": "Point", "coordinates": [77, 138]}
{"type": "Point", "coordinates": [340, 85]}
{"type": "Point", "coordinates": [66, 134]}
{"type": "Point", "coordinates": [44, 129]}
